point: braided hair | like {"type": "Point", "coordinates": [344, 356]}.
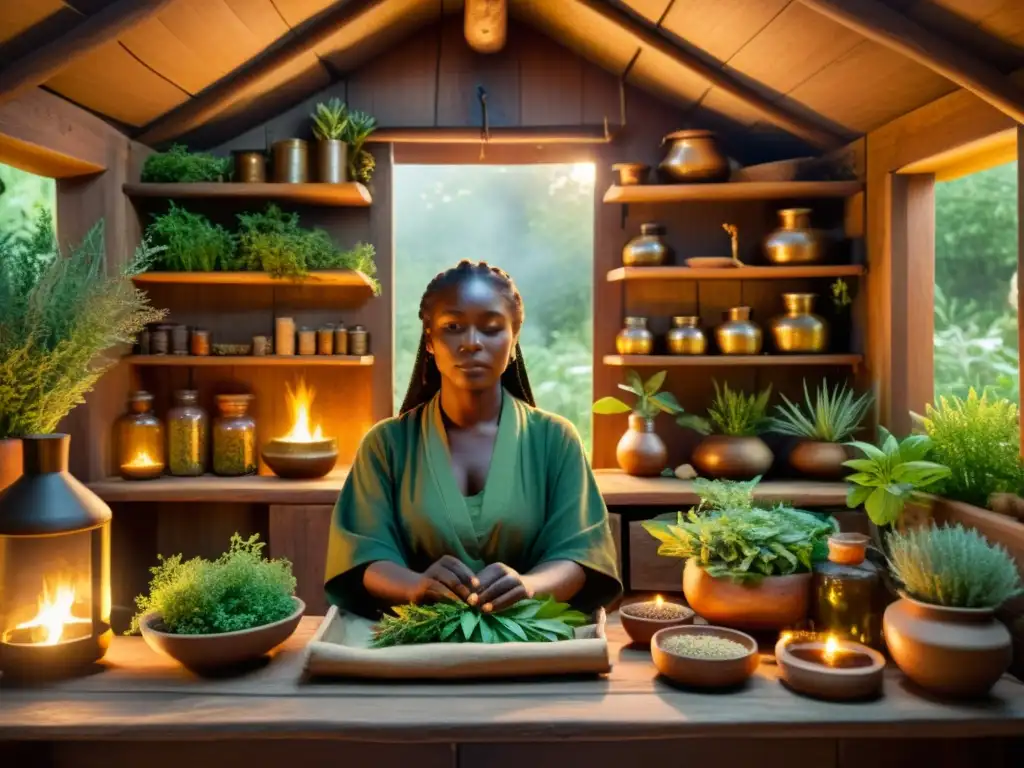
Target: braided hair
{"type": "Point", "coordinates": [425, 381]}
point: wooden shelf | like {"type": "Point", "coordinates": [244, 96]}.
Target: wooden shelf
{"type": "Point", "coordinates": [731, 360]}
{"type": "Point", "coordinates": [736, 190]}
{"type": "Point", "coordinates": [618, 489]}
{"type": "Point", "coordinates": [733, 273]}
{"type": "Point", "coordinates": [349, 194]}
{"type": "Point", "coordinates": [248, 360]}
{"type": "Point", "coordinates": [335, 278]}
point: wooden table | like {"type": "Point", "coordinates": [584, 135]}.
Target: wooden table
{"type": "Point", "coordinates": [144, 710]}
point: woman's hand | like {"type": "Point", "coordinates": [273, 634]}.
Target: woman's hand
{"type": "Point", "coordinates": [447, 579]}
{"type": "Point", "coordinates": [499, 587]}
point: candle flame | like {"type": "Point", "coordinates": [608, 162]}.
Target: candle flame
{"type": "Point", "coordinates": [141, 460]}
{"type": "Point", "coordinates": [831, 650]}
{"type": "Point", "coordinates": [54, 613]}
{"type": "Point", "coordinates": [658, 601]}
{"type": "Point", "coordinates": [300, 401]}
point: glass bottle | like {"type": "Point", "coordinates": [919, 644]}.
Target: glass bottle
{"type": "Point", "coordinates": [234, 437]}
{"type": "Point", "coordinates": [140, 439]}
{"type": "Point", "coordinates": [187, 435]}
{"type": "Point", "coordinates": [848, 592]}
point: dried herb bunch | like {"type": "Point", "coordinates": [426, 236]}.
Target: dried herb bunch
{"type": "Point", "coordinates": [178, 165]}
{"type": "Point", "coordinates": [534, 620]}
{"type": "Point", "coordinates": [731, 413]}
{"type": "Point", "coordinates": [831, 416]}
{"type": "Point", "coordinates": [59, 312]}
{"type": "Point", "coordinates": [192, 243]}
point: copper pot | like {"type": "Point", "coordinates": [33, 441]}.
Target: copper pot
{"type": "Point", "coordinates": [631, 174]}
{"type": "Point", "coordinates": [291, 161]}
{"type": "Point", "coordinates": [648, 249]}
{"type": "Point", "coordinates": [693, 156]}
{"type": "Point", "coordinates": [799, 330]}
{"type": "Point", "coordinates": [250, 166]}
{"type": "Point", "coordinates": [640, 451]}
{"type": "Point", "coordinates": [794, 242]}
{"type": "Point", "coordinates": [819, 459]}
{"type": "Point", "coordinates": [732, 457]}
{"type": "Point", "coordinates": [685, 336]}
{"type": "Point", "coordinates": [738, 335]}
{"type": "Point", "coordinates": [774, 602]}
{"type": "Point", "coordinates": [331, 161]}
{"type": "Point", "coordinates": [634, 338]}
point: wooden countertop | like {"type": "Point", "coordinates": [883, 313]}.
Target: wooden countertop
{"type": "Point", "coordinates": [139, 695]}
{"type": "Point", "coordinates": [618, 488]}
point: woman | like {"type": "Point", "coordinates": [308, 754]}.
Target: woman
{"type": "Point", "coordinates": [471, 493]}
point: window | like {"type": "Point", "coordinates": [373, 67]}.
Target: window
{"type": "Point", "coordinates": [22, 194]}
{"type": "Point", "coordinates": [534, 221]}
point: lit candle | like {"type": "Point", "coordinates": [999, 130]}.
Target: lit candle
{"type": "Point", "coordinates": [828, 667]}
{"type": "Point", "coordinates": [142, 460]}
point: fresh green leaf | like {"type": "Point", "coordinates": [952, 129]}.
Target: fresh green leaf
{"type": "Point", "coordinates": [469, 621]}
{"type": "Point", "coordinates": [653, 384]}
{"type": "Point", "coordinates": [610, 405]}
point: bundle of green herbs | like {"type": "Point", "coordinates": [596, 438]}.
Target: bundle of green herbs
{"type": "Point", "coordinates": [59, 312]}
{"type": "Point", "coordinates": [732, 413]}
{"type": "Point", "coordinates": [178, 165]}
{"type": "Point", "coordinates": [191, 242]}
{"type": "Point", "coordinates": [239, 590]}
{"type": "Point", "coordinates": [528, 621]}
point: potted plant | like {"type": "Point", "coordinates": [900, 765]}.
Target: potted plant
{"type": "Point", "coordinates": [59, 312]}
{"type": "Point", "coordinates": [731, 448]}
{"type": "Point", "coordinates": [361, 164]}
{"type": "Point", "coordinates": [214, 614]}
{"type": "Point", "coordinates": [179, 166]}
{"type": "Point", "coordinates": [330, 125]}
{"type": "Point", "coordinates": [823, 424]}
{"type": "Point", "coordinates": [641, 451]}
{"type": "Point", "coordinates": [747, 567]}
{"type": "Point", "coordinates": [943, 633]}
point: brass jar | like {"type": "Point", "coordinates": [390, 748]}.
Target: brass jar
{"type": "Point", "coordinates": [631, 174]}
{"type": "Point", "coordinates": [291, 161]}
{"type": "Point", "coordinates": [799, 330]}
{"type": "Point", "coordinates": [331, 161]}
{"type": "Point", "coordinates": [648, 249]}
{"type": "Point", "coordinates": [640, 452]}
{"type": "Point", "coordinates": [794, 242]}
{"type": "Point", "coordinates": [739, 335]}
{"type": "Point", "coordinates": [250, 167]}
{"type": "Point", "coordinates": [634, 338]}
{"type": "Point", "coordinates": [730, 457]}
{"type": "Point", "coordinates": [693, 156]}
{"type": "Point", "coordinates": [685, 336]}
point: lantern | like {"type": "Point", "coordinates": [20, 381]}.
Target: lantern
{"type": "Point", "coordinates": [54, 566]}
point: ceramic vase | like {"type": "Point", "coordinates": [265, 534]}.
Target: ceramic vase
{"type": "Point", "coordinates": [732, 458]}
{"type": "Point", "coordinates": [640, 451]}
{"type": "Point", "coordinates": [774, 602]}
{"type": "Point", "coordinates": [819, 459]}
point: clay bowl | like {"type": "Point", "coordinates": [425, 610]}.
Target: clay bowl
{"type": "Point", "coordinates": [705, 673]}
{"type": "Point", "coordinates": [631, 174]}
{"type": "Point", "coordinates": [205, 653]}
{"type": "Point", "coordinates": [641, 629]}
{"type": "Point", "coordinates": [859, 677]}
{"type": "Point", "coordinates": [711, 262]}
{"type": "Point", "coordinates": [300, 461]}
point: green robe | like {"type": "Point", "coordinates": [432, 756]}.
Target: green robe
{"type": "Point", "coordinates": [401, 503]}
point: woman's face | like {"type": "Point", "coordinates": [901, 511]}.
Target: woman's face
{"type": "Point", "coordinates": [470, 334]}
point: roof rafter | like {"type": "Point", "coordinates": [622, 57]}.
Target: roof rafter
{"type": "Point", "coordinates": [93, 31]}
{"type": "Point", "coordinates": [883, 25]}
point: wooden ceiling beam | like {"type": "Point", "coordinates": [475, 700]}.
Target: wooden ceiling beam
{"type": "Point", "coordinates": [212, 100]}
{"type": "Point", "coordinates": [813, 131]}
{"type": "Point", "coordinates": [35, 68]}
{"type": "Point", "coordinates": [883, 25]}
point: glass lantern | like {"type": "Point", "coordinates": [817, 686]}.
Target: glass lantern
{"type": "Point", "coordinates": [54, 566]}
{"type": "Point", "coordinates": [140, 439]}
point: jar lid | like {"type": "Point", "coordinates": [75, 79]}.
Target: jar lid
{"type": "Point", "coordinates": [652, 228]}
{"type": "Point", "coordinates": [636, 321]}
{"type": "Point", "coordinates": [686, 320]}
{"type": "Point", "coordinates": [140, 396]}
{"type": "Point", "coordinates": [186, 395]}
{"type": "Point", "coordinates": [358, 328]}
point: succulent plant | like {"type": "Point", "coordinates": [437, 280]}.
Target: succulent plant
{"type": "Point", "coordinates": [330, 120]}
{"type": "Point", "coordinates": [831, 416]}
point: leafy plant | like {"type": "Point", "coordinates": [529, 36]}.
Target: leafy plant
{"type": "Point", "coordinates": [731, 413]}
{"type": "Point", "coordinates": [978, 438]}
{"type": "Point", "coordinates": [59, 312]}
{"type": "Point", "coordinates": [832, 416]}
{"type": "Point", "coordinates": [330, 120]}
{"type": "Point", "coordinates": [361, 164]}
{"type": "Point", "coordinates": [178, 165]}
{"type": "Point", "coordinates": [650, 401]}
{"type": "Point", "coordinates": [724, 494]}
{"type": "Point", "coordinates": [192, 243]}
{"type": "Point", "coordinates": [840, 291]}
{"type": "Point", "coordinates": [540, 620]}
{"type": "Point", "coordinates": [239, 590]}
{"type": "Point", "coordinates": [953, 566]}
{"type": "Point", "coordinates": [890, 476]}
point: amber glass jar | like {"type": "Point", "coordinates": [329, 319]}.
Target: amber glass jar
{"type": "Point", "coordinates": [848, 593]}
{"type": "Point", "coordinates": [234, 437]}
{"type": "Point", "coordinates": [140, 439]}
{"type": "Point", "coordinates": [187, 435]}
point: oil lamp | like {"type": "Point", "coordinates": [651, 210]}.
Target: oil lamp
{"type": "Point", "coordinates": [141, 439]}
{"type": "Point", "coordinates": [54, 566]}
{"type": "Point", "coordinates": [304, 453]}
{"type": "Point", "coordinates": [829, 667]}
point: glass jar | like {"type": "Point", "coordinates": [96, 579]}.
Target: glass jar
{"type": "Point", "coordinates": [140, 439]}
{"type": "Point", "coordinates": [234, 437]}
{"type": "Point", "coordinates": [187, 435]}
{"type": "Point", "coordinates": [848, 593]}
{"type": "Point", "coordinates": [634, 338]}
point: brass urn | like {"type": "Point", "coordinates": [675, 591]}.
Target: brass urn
{"type": "Point", "coordinates": [799, 330]}
{"type": "Point", "coordinates": [738, 335]}
{"type": "Point", "coordinates": [693, 156]}
{"type": "Point", "coordinates": [732, 457]}
{"type": "Point", "coordinates": [794, 242]}
{"type": "Point", "coordinates": [640, 451]}
{"type": "Point", "coordinates": [634, 339]}
{"type": "Point", "coordinates": [685, 336]}
{"type": "Point", "coordinates": [648, 249]}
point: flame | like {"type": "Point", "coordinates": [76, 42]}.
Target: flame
{"type": "Point", "coordinates": [142, 460]}
{"type": "Point", "coordinates": [658, 601]}
{"type": "Point", "coordinates": [55, 613]}
{"type": "Point", "coordinates": [299, 402]}
{"type": "Point", "coordinates": [831, 650]}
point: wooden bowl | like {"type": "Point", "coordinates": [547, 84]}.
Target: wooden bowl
{"type": "Point", "coordinates": [211, 652]}
{"type": "Point", "coordinates": [830, 683]}
{"type": "Point", "coordinates": [711, 262]}
{"type": "Point", "coordinates": [300, 461]}
{"type": "Point", "coordinates": [641, 629]}
{"type": "Point", "coordinates": [705, 673]}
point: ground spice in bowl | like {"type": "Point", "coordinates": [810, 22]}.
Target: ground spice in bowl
{"type": "Point", "coordinates": [656, 611]}
{"type": "Point", "coordinates": [704, 647]}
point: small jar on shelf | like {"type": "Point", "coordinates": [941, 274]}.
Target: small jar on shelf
{"type": "Point", "coordinates": [634, 338]}
{"type": "Point", "coordinates": [358, 341]}
{"type": "Point", "coordinates": [685, 336]}
{"type": "Point", "coordinates": [140, 439]}
{"type": "Point", "coordinates": [234, 437]}
{"type": "Point", "coordinates": [187, 435]}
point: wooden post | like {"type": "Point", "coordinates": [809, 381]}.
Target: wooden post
{"type": "Point", "coordinates": [1020, 260]}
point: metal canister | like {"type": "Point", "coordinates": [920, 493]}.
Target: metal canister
{"type": "Point", "coordinates": [291, 161]}
{"type": "Point", "coordinates": [179, 340]}
{"type": "Point", "coordinates": [159, 339]}
{"type": "Point", "coordinates": [200, 341]}
{"type": "Point", "coordinates": [307, 341]}
{"type": "Point", "coordinates": [325, 340]}
{"type": "Point", "coordinates": [340, 339]}
{"type": "Point", "coordinates": [250, 166]}
{"type": "Point", "coordinates": [358, 341]}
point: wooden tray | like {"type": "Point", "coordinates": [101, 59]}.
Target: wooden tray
{"type": "Point", "coordinates": [340, 648]}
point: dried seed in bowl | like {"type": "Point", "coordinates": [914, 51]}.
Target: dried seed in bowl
{"type": "Point", "coordinates": [704, 647]}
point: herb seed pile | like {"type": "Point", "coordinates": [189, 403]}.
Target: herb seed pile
{"type": "Point", "coordinates": [663, 612]}
{"type": "Point", "coordinates": [704, 647]}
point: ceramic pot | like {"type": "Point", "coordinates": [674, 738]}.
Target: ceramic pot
{"type": "Point", "coordinates": [819, 459]}
{"type": "Point", "coordinates": [732, 458]}
{"type": "Point", "coordinates": [693, 156]}
{"type": "Point", "coordinates": [685, 336]}
{"type": "Point", "coordinates": [738, 335]}
{"type": "Point", "coordinates": [331, 161]}
{"type": "Point", "coordinates": [10, 461]}
{"type": "Point", "coordinates": [794, 242]}
{"type": "Point", "coordinates": [799, 330]}
{"type": "Point", "coordinates": [775, 602]}
{"type": "Point", "coordinates": [634, 338]}
{"type": "Point", "coordinates": [211, 652]}
{"type": "Point", "coordinates": [648, 249]}
{"type": "Point", "coordinates": [957, 652]}
{"type": "Point", "coordinates": [640, 451]}
{"type": "Point", "coordinates": [631, 174]}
